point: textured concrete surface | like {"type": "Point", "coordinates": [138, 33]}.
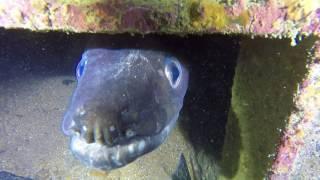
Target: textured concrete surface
{"type": "Point", "coordinates": [276, 18]}
{"type": "Point", "coordinates": [265, 85]}
{"type": "Point", "coordinates": [298, 154]}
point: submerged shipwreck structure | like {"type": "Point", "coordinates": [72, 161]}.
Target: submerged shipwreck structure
{"type": "Point", "coordinates": [273, 127]}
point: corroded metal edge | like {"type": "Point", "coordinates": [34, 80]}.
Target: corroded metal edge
{"type": "Point", "coordinates": [276, 18]}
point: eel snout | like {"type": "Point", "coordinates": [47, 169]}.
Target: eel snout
{"type": "Point", "coordinates": [125, 104]}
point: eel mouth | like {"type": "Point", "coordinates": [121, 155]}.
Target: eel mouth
{"type": "Point", "coordinates": [100, 156]}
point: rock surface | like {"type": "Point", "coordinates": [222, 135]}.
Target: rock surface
{"type": "Point", "coordinates": [277, 18]}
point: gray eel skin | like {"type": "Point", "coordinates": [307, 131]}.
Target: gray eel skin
{"type": "Point", "coordinates": [125, 104]}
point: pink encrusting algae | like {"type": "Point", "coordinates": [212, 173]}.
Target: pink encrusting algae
{"type": "Point", "coordinates": [277, 18]}
{"type": "Point", "coordinates": [302, 123]}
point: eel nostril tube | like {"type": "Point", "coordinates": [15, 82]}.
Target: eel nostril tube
{"type": "Point", "coordinates": [110, 135]}
{"type": "Point", "coordinates": [87, 134]}
{"type": "Point", "coordinates": [107, 137]}
{"type": "Point", "coordinates": [68, 125]}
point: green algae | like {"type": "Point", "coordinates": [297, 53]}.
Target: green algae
{"type": "Point", "coordinates": [170, 16]}
{"type": "Point", "coordinates": [80, 2]}
{"type": "Point", "coordinates": [265, 82]}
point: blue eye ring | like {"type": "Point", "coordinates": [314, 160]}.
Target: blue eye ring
{"type": "Point", "coordinates": [81, 68]}
{"type": "Point", "coordinates": [173, 70]}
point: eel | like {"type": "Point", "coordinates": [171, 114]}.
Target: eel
{"type": "Point", "coordinates": [4, 175]}
{"type": "Point", "coordinates": [125, 104]}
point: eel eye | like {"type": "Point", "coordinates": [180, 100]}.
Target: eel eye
{"type": "Point", "coordinates": [173, 72]}
{"type": "Point", "coordinates": [80, 68]}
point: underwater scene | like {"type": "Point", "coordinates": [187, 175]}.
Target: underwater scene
{"type": "Point", "coordinates": [193, 107]}
{"type": "Point", "coordinates": [41, 73]}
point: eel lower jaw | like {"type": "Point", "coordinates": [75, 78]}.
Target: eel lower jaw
{"type": "Point", "coordinates": [96, 155]}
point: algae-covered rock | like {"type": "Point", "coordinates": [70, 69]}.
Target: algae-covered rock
{"type": "Point", "coordinates": [263, 93]}
{"type": "Point", "coordinates": [283, 18]}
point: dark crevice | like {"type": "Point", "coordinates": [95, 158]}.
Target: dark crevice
{"type": "Point", "coordinates": [211, 60]}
